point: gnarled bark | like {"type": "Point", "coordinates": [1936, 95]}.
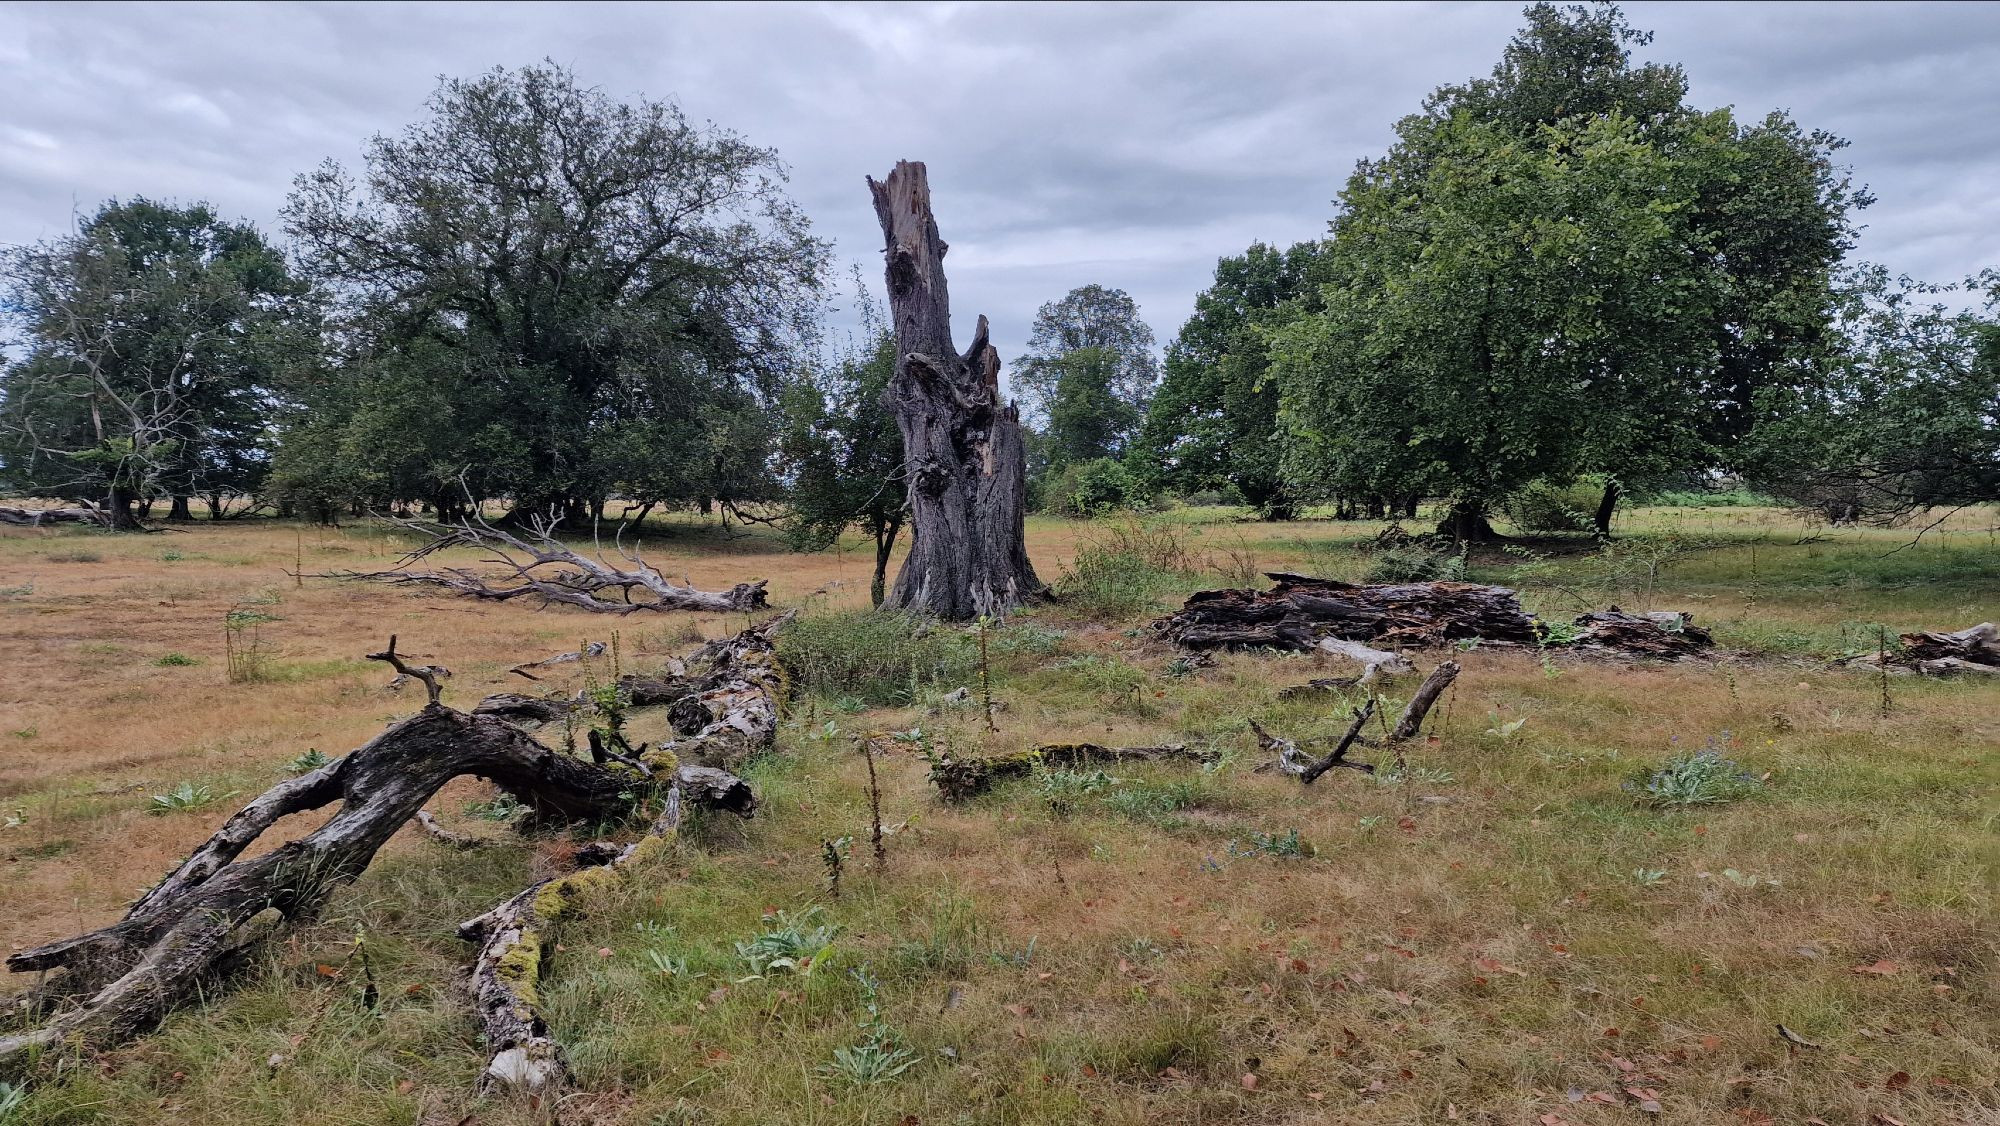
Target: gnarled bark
{"type": "Point", "coordinates": [964, 457]}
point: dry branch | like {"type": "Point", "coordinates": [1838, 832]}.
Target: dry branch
{"type": "Point", "coordinates": [1338, 757]}
{"type": "Point", "coordinates": [1420, 704]}
{"type": "Point", "coordinates": [958, 780]}
{"type": "Point", "coordinates": [541, 567]}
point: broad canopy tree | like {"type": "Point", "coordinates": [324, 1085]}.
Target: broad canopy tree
{"type": "Point", "coordinates": [153, 340]}
{"type": "Point", "coordinates": [1213, 423]}
{"type": "Point", "coordinates": [844, 454]}
{"type": "Point", "coordinates": [625, 289]}
{"type": "Point", "coordinates": [1561, 270]}
{"type": "Point", "coordinates": [1087, 375]}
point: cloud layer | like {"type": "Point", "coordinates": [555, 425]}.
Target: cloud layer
{"type": "Point", "coordinates": [1068, 143]}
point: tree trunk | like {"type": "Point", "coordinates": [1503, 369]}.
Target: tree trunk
{"type": "Point", "coordinates": [885, 540]}
{"type": "Point", "coordinates": [180, 512]}
{"type": "Point", "coordinates": [119, 514]}
{"type": "Point", "coordinates": [1605, 507]}
{"type": "Point", "coordinates": [962, 444]}
{"type": "Point", "coordinates": [1466, 522]}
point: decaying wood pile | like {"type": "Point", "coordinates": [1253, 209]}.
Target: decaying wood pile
{"type": "Point", "coordinates": [960, 780]}
{"type": "Point", "coordinates": [199, 922]}
{"type": "Point", "coordinates": [39, 517]}
{"type": "Point", "coordinates": [1301, 613]}
{"type": "Point", "coordinates": [540, 567]}
{"type": "Point", "coordinates": [1972, 652]}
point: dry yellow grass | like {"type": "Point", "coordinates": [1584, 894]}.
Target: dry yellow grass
{"type": "Point", "coordinates": [1490, 956]}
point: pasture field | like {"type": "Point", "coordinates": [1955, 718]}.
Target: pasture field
{"type": "Point", "coordinates": [1507, 931]}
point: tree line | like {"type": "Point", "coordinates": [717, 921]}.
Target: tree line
{"type": "Point", "coordinates": [1561, 284]}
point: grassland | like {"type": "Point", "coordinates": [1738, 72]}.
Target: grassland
{"type": "Point", "coordinates": [1505, 933]}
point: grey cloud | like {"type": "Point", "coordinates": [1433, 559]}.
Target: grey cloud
{"type": "Point", "coordinates": [1124, 144]}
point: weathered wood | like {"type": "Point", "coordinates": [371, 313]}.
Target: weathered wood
{"type": "Point", "coordinates": [516, 708]}
{"type": "Point", "coordinates": [1338, 757]}
{"type": "Point", "coordinates": [964, 457]}
{"type": "Point", "coordinates": [1374, 662]}
{"type": "Point", "coordinates": [1299, 612]}
{"type": "Point", "coordinates": [40, 517]}
{"type": "Point", "coordinates": [959, 780]}
{"type": "Point", "coordinates": [1968, 652]}
{"type": "Point", "coordinates": [1307, 613]}
{"type": "Point", "coordinates": [1420, 704]}
{"type": "Point", "coordinates": [1663, 634]}
{"type": "Point", "coordinates": [444, 836]}
{"type": "Point", "coordinates": [592, 649]}
{"type": "Point", "coordinates": [541, 567]}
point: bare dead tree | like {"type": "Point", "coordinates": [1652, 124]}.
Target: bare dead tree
{"type": "Point", "coordinates": [962, 442]}
{"type": "Point", "coordinates": [538, 566]}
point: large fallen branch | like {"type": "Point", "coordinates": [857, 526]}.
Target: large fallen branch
{"type": "Point", "coordinates": [1302, 613]}
{"type": "Point", "coordinates": [38, 517]}
{"type": "Point", "coordinates": [193, 927]}
{"type": "Point", "coordinates": [959, 780]}
{"type": "Point", "coordinates": [541, 567]}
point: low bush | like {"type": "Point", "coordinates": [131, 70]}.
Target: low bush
{"type": "Point", "coordinates": [1415, 563]}
{"type": "Point", "coordinates": [1546, 509]}
{"type": "Point", "coordinates": [1127, 571]}
{"type": "Point", "coordinates": [879, 658]}
{"type": "Point", "coordinates": [1093, 488]}
{"type": "Point", "coordinates": [1704, 777]}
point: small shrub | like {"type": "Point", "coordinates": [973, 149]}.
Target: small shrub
{"type": "Point", "coordinates": [306, 763]}
{"type": "Point", "coordinates": [1126, 573]}
{"type": "Point", "coordinates": [1704, 777]}
{"type": "Point", "coordinates": [881, 1056]}
{"type": "Point", "coordinates": [1417, 562]}
{"type": "Point", "coordinates": [795, 945]}
{"type": "Point", "coordinates": [1063, 789]}
{"type": "Point", "coordinates": [503, 807]}
{"type": "Point", "coordinates": [171, 557]}
{"type": "Point", "coordinates": [75, 557]}
{"type": "Point", "coordinates": [182, 798]}
{"type": "Point", "coordinates": [1116, 685]}
{"type": "Point", "coordinates": [1287, 845]}
{"type": "Point", "coordinates": [1027, 639]}
{"type": "Point", "coordinates": [883, 659]}
{"type": "Point", "coordinates": [1092, 488]}
{"type": "Point", "coordinates": [176, 660]}
{"type": "Point", "coordinates": [1154, 804]}
{"type": "Point", "coordinates": [1546, 509]}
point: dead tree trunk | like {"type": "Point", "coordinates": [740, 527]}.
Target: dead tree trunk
{"type": "Point", "coordinates": [962, 445]}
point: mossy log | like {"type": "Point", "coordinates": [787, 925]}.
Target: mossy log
{"type": "Point", "coordinates": [746, 687]}
{"type": "Point", "coordinates": [959, 780]}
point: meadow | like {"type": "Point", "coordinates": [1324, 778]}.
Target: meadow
{"type": "Point", "coordinates": [1508, 929]}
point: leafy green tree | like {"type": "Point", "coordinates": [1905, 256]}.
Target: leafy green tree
{"type": "Point", "coordinates": [154, 338]}
{"type": "Point", "coordinates": [1905, 420]}
{"type": "Point", "coordinates": [629, 290]}
{"type": "Point", "coordinates": [1087, 375]}
{"type": "Point", "coordinates": [844, 454]}
{"type": "Point", "coordinates": [1561, 270]}
{"type": "Point", "coordinates": [1213, 424]}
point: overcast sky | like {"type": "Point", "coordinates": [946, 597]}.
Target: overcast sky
{"type": "Point", "coordinates": [1129, 145]}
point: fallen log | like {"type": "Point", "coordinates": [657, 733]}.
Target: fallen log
{"type": "Point", "coordinates": [1668, 635]}
{"type": "Point", "coordinates": [1299, 612]}
{"type": "Point", "coordinates": [543, 568]}
{"type": "Point", "coordinates": [960, 780]}
{"type": "Point", "coordinates": [1974, 651]}
{"type": "Point", "coordinates": [1374, 662]}
{"type": "Point", "coordinates": [1302, 613]}
{"type": "Point", "coordinates": [1338, 757]}
{"type": "Point", "coordinates": [591, 649]}
{"type": "Point", "coordinates": [196, 924]}
{"type": "Point", "coordinates": [39, 517]}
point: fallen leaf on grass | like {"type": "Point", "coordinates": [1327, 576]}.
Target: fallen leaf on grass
{"type": "Point", "coordinates": [1881, 967]}
{"type": "Point", "coordinates": [1647, 1098]}
{"type": "Point", "coordinates": [1897, 1081]}
{"type": "Point", "coordinates": [1249, 1080]}
{"type": "Point", "coordinates": [1791, 1037]}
